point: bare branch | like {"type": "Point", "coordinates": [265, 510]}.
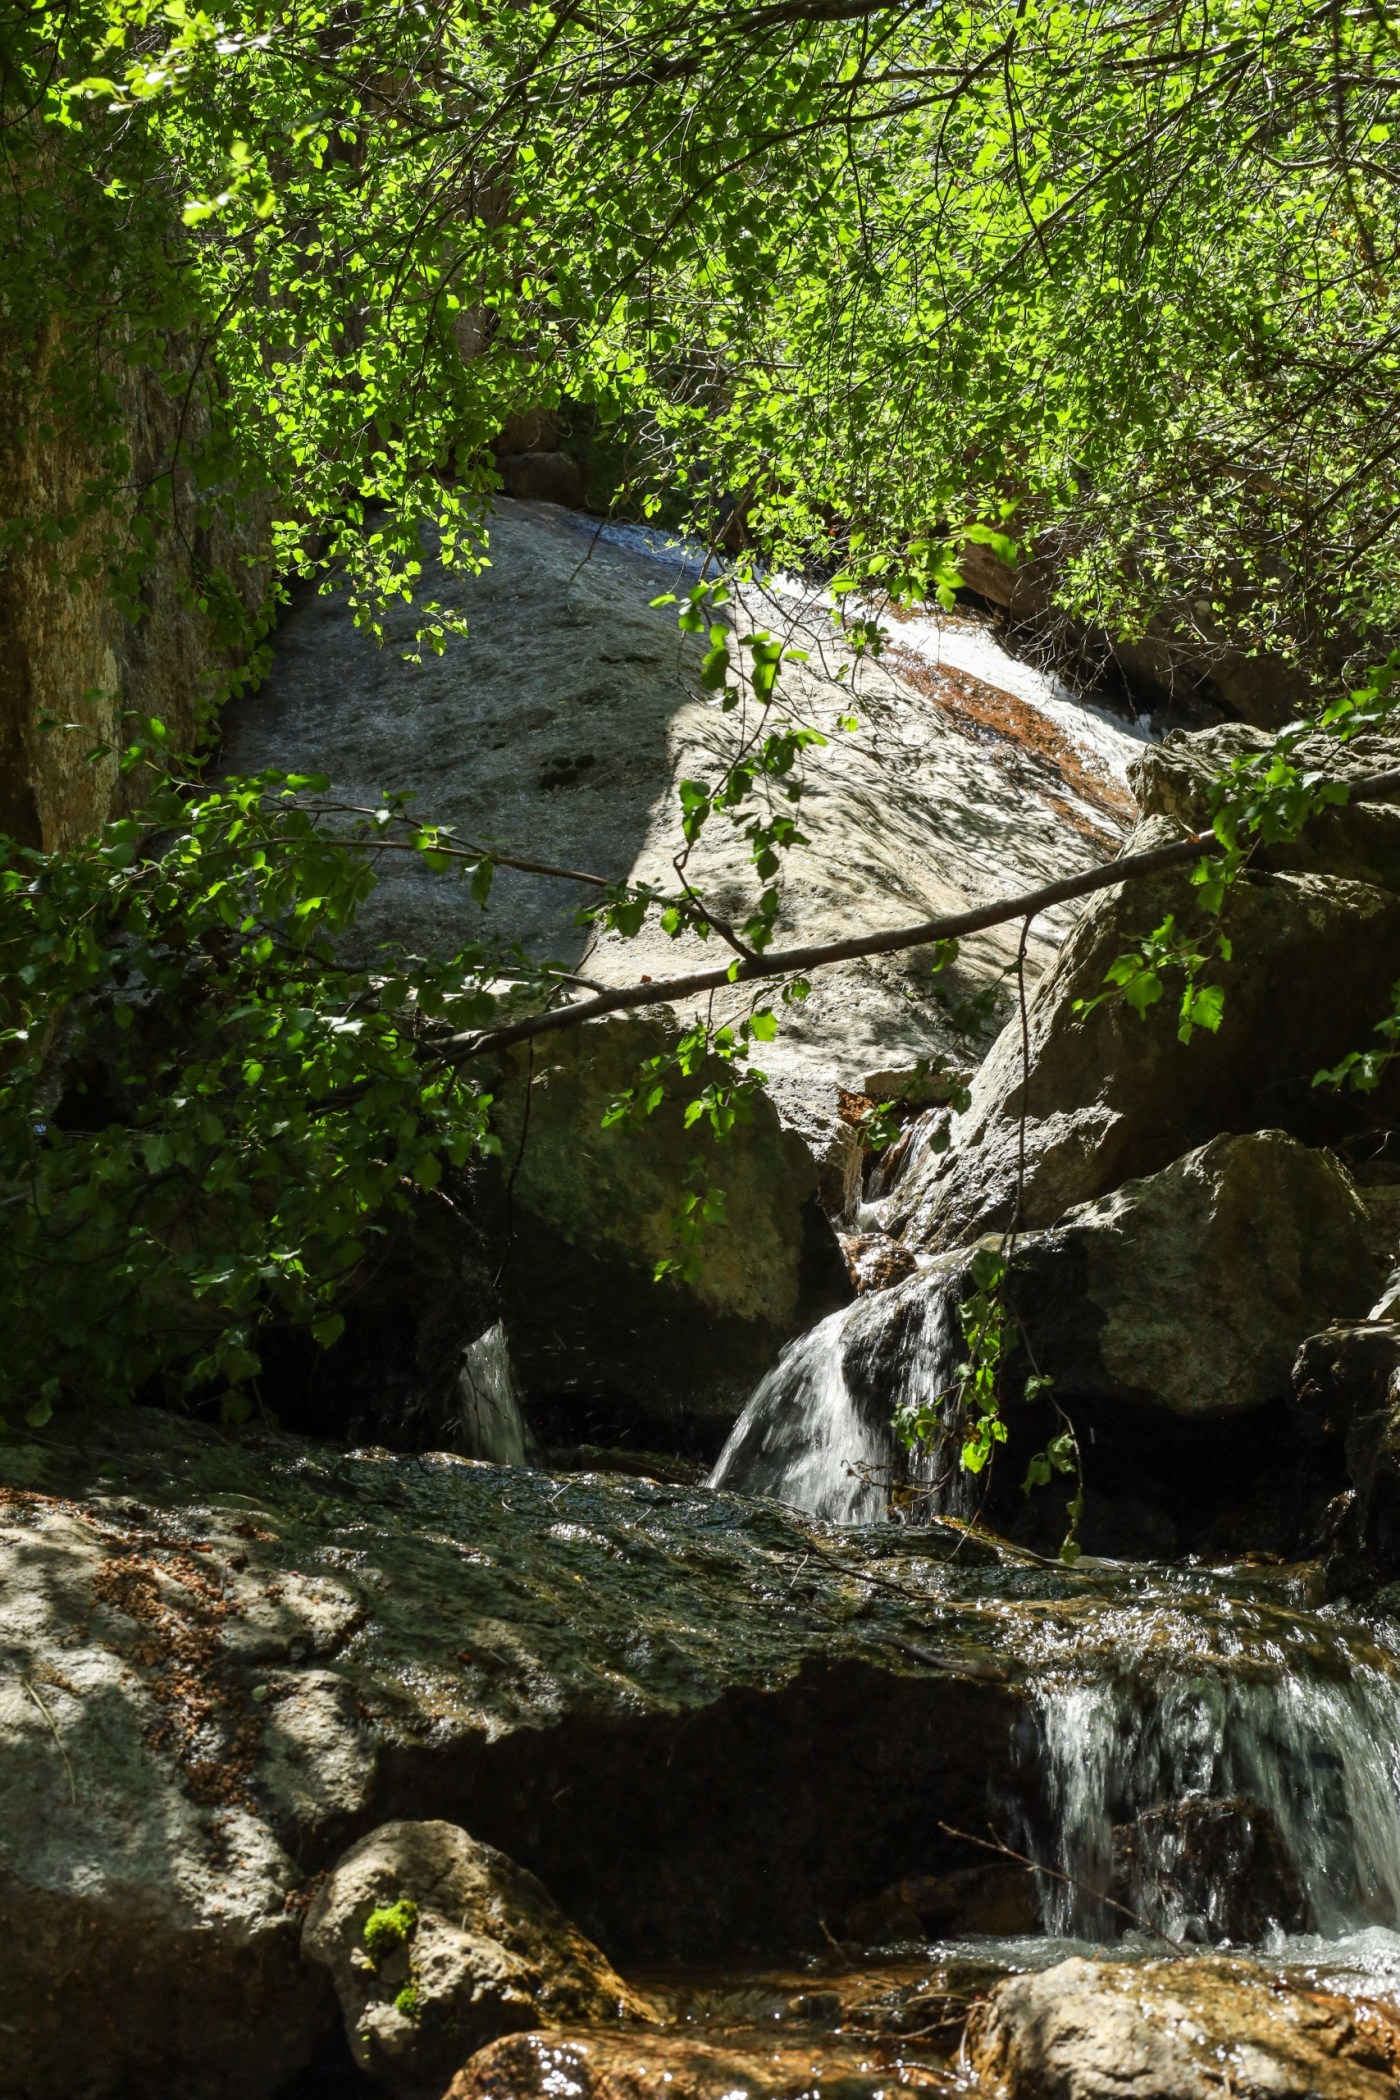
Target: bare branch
{"type": "Point", "coordinates": [796, 962]}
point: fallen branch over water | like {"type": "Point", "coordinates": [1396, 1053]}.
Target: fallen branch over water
{"type": "Point", "coordinates": [796, 962]}
{"type": "Point", "coordinates": [1023, 1859]}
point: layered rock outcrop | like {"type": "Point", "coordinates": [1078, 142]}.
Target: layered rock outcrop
{"type": "Point", "coordinates": [77, 664]}
{"type": "Point", "coordinates": [711, 1724]}
{"type": "Point", "coordinates": [1100, 1093]}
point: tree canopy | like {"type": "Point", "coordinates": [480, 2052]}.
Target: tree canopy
{"type": "Point", "coordinates": [879, 269]}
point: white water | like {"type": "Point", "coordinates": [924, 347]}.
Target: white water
{"type": "Point", "coordinates": [803, 1438]}
{"type": "Point", "coordinates": [817, 1432]}
{"type": "Point", "coordinates": [1307, 1746]}
{"type": "Point", "coordinates": [488, 1401]}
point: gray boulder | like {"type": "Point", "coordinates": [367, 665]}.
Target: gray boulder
{"type": "Point", "coordinates": [1112, 1094]}
{"type": "Point", "coordinates": [560, 728]}
{"type": "Point", "coordinates": [1361, 840]}
{"type": "Point", "coordinates": [439, 1945]}
{"type": "Point", "coordinates": [1183, 2030]}
{"type": "Point", "coordinates": [593, 1211]}
{"type": "Point", "coordinates": [1191, 1289]}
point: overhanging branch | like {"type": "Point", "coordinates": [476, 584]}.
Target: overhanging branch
{"type": "Point", "coordinates": [796, 962]}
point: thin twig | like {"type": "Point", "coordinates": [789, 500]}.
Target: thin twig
{"type": "Point", "coordinates": [1023, 1859]}
{"type": "Point", "coordinates": [58, 1739]}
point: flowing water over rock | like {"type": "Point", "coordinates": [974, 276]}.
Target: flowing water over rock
{"type": "Point", "coordinates": [1229, 1769]}
{"type": "Point", "coordinates": [817, 1432]}
{"type": "Point", "coordinates": [489, 1402]}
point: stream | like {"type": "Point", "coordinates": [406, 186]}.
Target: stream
{"type": "Point", "coordinates": [1210, 1755]}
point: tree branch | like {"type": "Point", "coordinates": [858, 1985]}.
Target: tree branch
{"type": "Point", "coordinates": [788, 962]}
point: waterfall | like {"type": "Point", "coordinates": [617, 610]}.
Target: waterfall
{"type": "Point", "coordinates": [1233, 1799]}
{"type": "Point", "coordinates": [488, 1401]}
{"type": "Point", "coordinates": [817, 1433]}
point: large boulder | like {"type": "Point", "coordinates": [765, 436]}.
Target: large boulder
{"type": "Point", "coordinates": [1360, 840]}
{"type": "Point", "coordinates": [439, 1944]}
{"type": "Point", "coordinates": [560, 728]}
{"type": "Point", "coordinates": [593, 1211]}
{"type": "Point", "coordinates": [1190, 1290]}
{"type": "Point", "coordinates": [1167, 1315]}
{"type": "Point", "coordinates": [710, 1723]}
{"type": "Point", "coordinates": [1112, 1094]}
{"type": "Point", "coordinates": [1182, 2030]}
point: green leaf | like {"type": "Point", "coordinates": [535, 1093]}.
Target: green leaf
{"type": "Point", "coordinates": [988, 1266]}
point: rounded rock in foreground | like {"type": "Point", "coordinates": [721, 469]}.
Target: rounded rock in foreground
{"type": "Point", "coordinates": [561, 2066]}
{"type": "Point", "coordinates": [439, 1944]}
{"type": "Point", "coordinates": [1178, 2030]}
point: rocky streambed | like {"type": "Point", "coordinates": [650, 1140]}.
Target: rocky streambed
{"type": "Point", "coordinates": [261, 1693]}
{"type": "Point", "coordinates": [435, 1748]}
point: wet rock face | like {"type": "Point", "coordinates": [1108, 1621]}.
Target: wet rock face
{"type": "Point", "coordinates": [604, 2067]}
{"type": "Point", "coordinates": [1187, 2030]}
{"type": "Point", "coordinates": [438, 1944]}
{"type": "Point", "coordinates": [1113, 1094]}
{"type": "Point", "coordinates": [710, 1724]}
{"type": "Point", "coordinates": [1210, 1870]}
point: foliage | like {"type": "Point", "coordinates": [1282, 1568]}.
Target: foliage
{"type": "Point", "coordinates": [209, 1119]}
{"type": "Point", "coordinates": [391, 1925]}
{"type": "Point", "coordinates": [871, 280]}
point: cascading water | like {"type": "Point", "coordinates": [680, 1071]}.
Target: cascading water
{"type": "Point", "coordinates": [1225, 1769]}
{"type": "Point", "coordinates": [1224, 1808]}
{"type": "Point", "coordinates": [1205, 1750]}
{"type": "Point", "coordinates": [489, 1403]}
{"type": "Point", "coordinates": [817, 1433]}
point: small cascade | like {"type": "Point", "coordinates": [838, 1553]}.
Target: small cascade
{"type": "Point", "coordinates": [489, 1402]}
{"type": "Point", "coordinates": [1239, 1799]}
{"type": "Point", "coordinates": [817, 1432]}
